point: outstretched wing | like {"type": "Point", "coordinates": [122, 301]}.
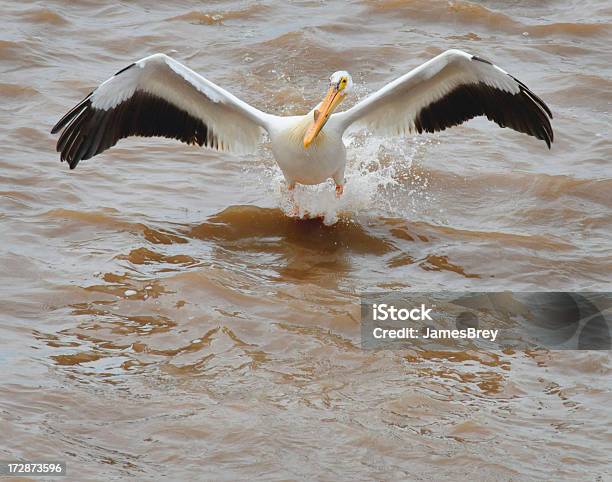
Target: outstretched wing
{"type": "Point", "coordinates": [158, 96]}
{"type": "Point", "coordinates": [446, 91]}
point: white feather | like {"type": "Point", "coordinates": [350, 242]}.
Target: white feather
{"type": "Point", "coordinates": [393, 108]}
{"type": "Point", "coordinates": [237, 125]}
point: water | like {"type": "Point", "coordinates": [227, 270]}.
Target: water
{"type": "Point", "coordinates": [161, 315]}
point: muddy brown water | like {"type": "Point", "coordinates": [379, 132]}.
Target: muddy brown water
{"type": "Point", "coordinates": [160, 315]}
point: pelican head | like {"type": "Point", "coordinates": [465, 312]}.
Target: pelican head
{"type": "Point", "coordinates": [340, 84]}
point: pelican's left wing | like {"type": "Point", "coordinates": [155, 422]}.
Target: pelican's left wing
{"type": "Point", "coordinates": [446, 91]}
{"type": "Point", "coordinates": [158, 96]}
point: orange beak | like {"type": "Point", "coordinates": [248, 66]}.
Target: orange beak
{"type": "Point", "coordinates": [321, 115]}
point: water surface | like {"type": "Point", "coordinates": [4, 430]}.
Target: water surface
{"type": "Point", "coordinates": [161, 315]}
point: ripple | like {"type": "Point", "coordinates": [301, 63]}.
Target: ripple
{"type": "Point", "coordinates": [199, 17]}
{"type": "Point", "coordinates": [16, 90]}
{"type": "Point", "coordinates": [44, 16]}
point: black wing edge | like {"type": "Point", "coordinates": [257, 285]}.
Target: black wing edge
{"type": "Point", "coordinates": [88, 131]}
{"type": "Point", "coordinates": [524, 112]}
{"type": "Point", "coordinates": [64, 120]}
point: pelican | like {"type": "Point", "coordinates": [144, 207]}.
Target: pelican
{"type": "Point", "coordinates": [158, 96]}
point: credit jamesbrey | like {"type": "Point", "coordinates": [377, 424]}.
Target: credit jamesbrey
{"type": "Point", "coordinates": [434, 334]}
{"type": "Point", "coordinates": [384, 312]}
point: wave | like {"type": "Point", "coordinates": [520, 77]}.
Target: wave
{"type": "Point", "coordinates": [199, 17]}
{"type": "Point", "coordinates": [44, 16]}
{"type": "Point", "coordinates": [250, 223]}
{"type": "Point", "coordinates": [538, 185]}
{"type": "Point", "coordinates": [16, 90]}
{"type": "Point", "coordinates": [474, 14]}
{"type": "Point", "coordinates": [569, 29]}
{"type": "Point", "coordinates": [443, 11]}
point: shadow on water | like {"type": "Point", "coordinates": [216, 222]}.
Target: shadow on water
{"type": "Point", "coordinates": [306, 249]}
{"type": "Point", "coordinates": [270, 244]}
{"type": "Point", "coordinates": [294, 249]}
{"type": "Point", "coordinates": [250, 224]}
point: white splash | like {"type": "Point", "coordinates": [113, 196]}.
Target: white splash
{"type": "Point", "coordinates": [379, 177]}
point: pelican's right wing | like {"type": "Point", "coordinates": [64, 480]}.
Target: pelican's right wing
{"type": "Point", "coordinates": [158, 96]}
{"type": "Point", "coordinates": [446, 91]}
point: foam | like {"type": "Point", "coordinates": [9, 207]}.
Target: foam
{"type": "Point", "coordinates": [379, 179]}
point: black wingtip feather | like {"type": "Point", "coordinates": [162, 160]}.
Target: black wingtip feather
{"type": "Point", "coordinates": [70, 115]}
{"type": "Point", "coordinates": [524, 111]}
{"type": "Point", "coordinates": [88, 131]}
{"type": "Point", "coordinates": [537, 100]}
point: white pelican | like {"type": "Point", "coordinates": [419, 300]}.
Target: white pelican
{"type": "Point", "coordinates": [158, 96]}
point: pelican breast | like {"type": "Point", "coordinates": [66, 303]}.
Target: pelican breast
{"type": "Point", "coordinates": [313, 165]}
